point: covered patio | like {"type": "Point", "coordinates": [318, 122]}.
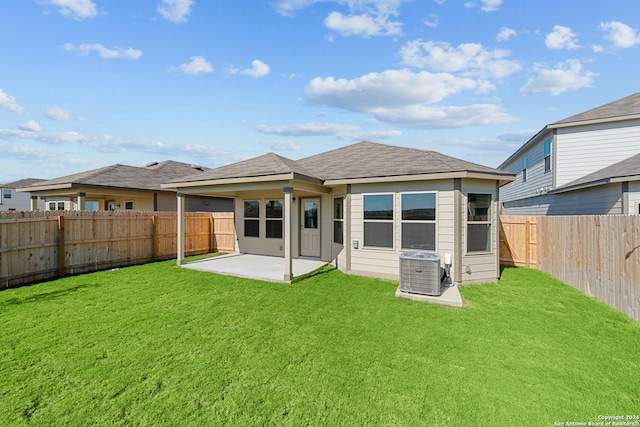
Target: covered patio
{"type": "Point", "coordinates": [260, 267]}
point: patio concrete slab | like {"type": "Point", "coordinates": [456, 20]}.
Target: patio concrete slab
{"type": "Point", "coordinates": [259, 267]}
{"type": "Point", "coordinates": [450, 296]}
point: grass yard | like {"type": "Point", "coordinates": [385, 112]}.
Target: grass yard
{"type": "Point", "coordinates": [161, 345]}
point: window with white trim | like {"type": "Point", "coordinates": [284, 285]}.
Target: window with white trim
{"type": "Point", "coordinates": [251, 218]}
{"type": "Point", "coordinates": [274, 219]}
{"type": "Point", "coordinates": [419, 221]}
{"type": "Point", "coordinates": [479, 223]}
{"type": "Point", "coordinates": [547, 155]}
{"type": "Point", "coordinates": [338, 220]}
{"type": "Point", "coordinates": [6, 194]}
{"type": "Point", "coordinates": [378, 220]}
{"type": "Point", "coordinates": [524, 169]}
{"type": "Point", "coordinates": [128, 206]}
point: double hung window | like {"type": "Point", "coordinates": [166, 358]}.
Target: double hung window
{"type": "Point", "coordinates": [547, 155]}
{"type": "Point", "coordinates": [478, 223]}
{"type": "Point", "coordinates": [419, 221]}
{"type": "Point", "coordinates": [524, 169]}
{"type": "Point", "coordinates": [274, 219]}
{"type": "Point", "coordinates": [338, 220]}
{"type": "Point", "coordinates": [252, 218]}
{"type": "Point", "coordinates": [378, 220]}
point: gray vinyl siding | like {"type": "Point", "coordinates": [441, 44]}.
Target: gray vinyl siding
{"type": "Point", "coordinates": [601, 200]}
{"type": "Point", "coordinates": [208, 204]}
{"type": "Point", "coordinates": [634, 198]}
{"type": "Point", "coordinates": [537, 178]}
{"type": "Point", "coordinates": [586, 149]}
{"type": "Point", "coordinates": [537, 206]}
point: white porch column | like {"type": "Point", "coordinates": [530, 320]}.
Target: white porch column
{"type": "Point", "coordinates": [81, 199]}
{"type": "Point", "coordinates": [288, 235]}
{"type": "Point", "coordinates": [180, 229]}
{"type": "Point", "coordinates": [34, 203]}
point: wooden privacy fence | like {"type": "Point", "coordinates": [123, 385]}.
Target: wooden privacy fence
{"type": "Point", "coordinates": [598, 255]}
{"type": "Point", "coordinates": [38, 246]}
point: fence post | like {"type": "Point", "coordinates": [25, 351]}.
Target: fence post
{"type": "Point", "coordinates": [154, 223]}
{"type": "Point", "coordinates": [527, 243]}
{"type": "Point", "coordinates": [212, 235]}
{"type": "Point", "coordinates": [61, 250]}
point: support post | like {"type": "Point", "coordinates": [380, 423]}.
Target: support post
{"type": "Point", "coordinates": [81, 199]}
{"type": "Point", "coordinates": [288, 228]}
{"type": "Point", "coordinates": [34, 203]}
{"type": "Point", "coordinates": [180, 230]}
{"type": "Point", "coordinates": [154, 223]}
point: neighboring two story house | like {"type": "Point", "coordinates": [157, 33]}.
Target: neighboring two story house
{"type": "Point", "coordinates": [11, 200]}
{"type": "Point", "coordinates": [586, 164]}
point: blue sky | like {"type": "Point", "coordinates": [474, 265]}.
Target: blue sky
{"type": "Point", "coordinates": [89, 83]}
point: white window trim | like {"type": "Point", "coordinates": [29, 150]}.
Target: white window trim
{"type": "Point", "coordinates": [281, 219]}
{"type": "Point", "coordinates": [402, 221]}
{"type": "Point", "coordinates": [490, 222]}
{"type": "Point", "coordinates": [393, 222]}
{"type": "Point", "coordinates": [333, 219]}
{"type": "Point", "coordinates": [259, 218]}
{"type": "Point", "coordinates": [133, 205]}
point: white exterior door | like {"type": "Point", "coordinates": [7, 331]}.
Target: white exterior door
{"type": "Point", "coordinates": [310, 229]}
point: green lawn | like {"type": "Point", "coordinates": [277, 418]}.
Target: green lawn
{"type": "Point", "coordinates": [161, 345]}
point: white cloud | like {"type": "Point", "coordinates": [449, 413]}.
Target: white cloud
{"type": "Point", "coordinates": [55, 113]}
{"type": "Point", "coordinates": [364, 25]}
{"type": "Point", "coordinates": [621, 35]}
{"type": "Point", "coordinates": [561, 38]}
{"type": "Point", "coordinates": [104, 52]}
{"type": "Point", "coordinates": [307, 129]}
{"type": "Point", "coordinates": [491, 5]}
{"type": "Point", "coordinates": [76, 9]}
{"type": "Point", "coordinates": [565, 76]}
{"type": "Point", "coordinates": [366, 18]}
{"type": "Point", "coordinates": [284, 145]}
{"type": "Point", "coordinates": [30, 126]}
{"type": "Point", "coordinates": [375, 135]}
{"type": "Point", "coordinates": [597, 48]}
{"type": "Point", "coordinates": [471, 58]}
{"type": "Point", "coordinates": [198, 65]}
{"type": "Point", "coordinates": [391, 88]}
{"type": "Point", "coordinates": [433, 21]}
{"type": "Point", "coordinates": [505, 34]}
{"type": "Point", "coordinates": [176, 11]}
{"type": "Point", "coordinates": [258, 69]}
{"type": "Point", "coordinates": [439, 117]}
{"type": "Point", "coordinates": [8, 103]}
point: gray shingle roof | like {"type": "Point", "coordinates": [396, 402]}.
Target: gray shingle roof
{"type": "Point", "coordinates": [361, 160]}
{"type": "Point", "coordinates": [21, 183]}
{"type": "Point", "coordinates": [627, 106]}
{"type": "Point", "coordinates": [625, 169]}
{"type": "Point", "coordinates": [122, 176]}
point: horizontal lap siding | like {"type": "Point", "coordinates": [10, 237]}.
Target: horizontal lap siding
{"type": "Point", "coordinates": [601, 200]}
{"type": "Point", "coordinates": [587, 149]}
{"type": "Point", "coordinates": [537, 178]}
{"type": "Point", "coordinates": [634, 198]}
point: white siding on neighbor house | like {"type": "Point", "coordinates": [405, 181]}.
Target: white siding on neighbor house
{"type": "Point", "coordinates": [17, 201]}
{"type": "Point", "coordinates": [586, 149]}
{"type": "Point", "coordinates": [537, 178]}
{"type": "Point", "coordinates": [600, 200]}
{"type": "Point", "coordinates": [634, 197]}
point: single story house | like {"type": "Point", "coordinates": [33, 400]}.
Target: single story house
{"type": "Point", "coordinates": [11, 200]}
{"type": "Point", "coordinates": [122, 188]}
{"type": "Point", "coordinates": [360, 207]}
{"type": "Point", "coordinates": [585, 164]}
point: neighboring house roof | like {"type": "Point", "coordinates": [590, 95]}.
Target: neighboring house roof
{"type": "Point", "coordinates": [21, 183]}
{"type": "Point", "coordinates": [625, 108]}
{"type": "Point", "coordinates": [120, 176]}
{"type": "Point", "coordinates": [626, 170]}
{"type": "Point", "coordinates": [363, 160]}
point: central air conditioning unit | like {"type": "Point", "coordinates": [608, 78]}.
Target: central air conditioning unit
{"type": "Point", "coordinates": [420, 273]}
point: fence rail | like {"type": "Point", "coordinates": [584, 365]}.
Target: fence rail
{"type": "Point", "coordinates": [38, 246]}
{"type": "Point", "coordinates": [598, 255]}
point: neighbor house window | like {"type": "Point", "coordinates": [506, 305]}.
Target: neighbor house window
{"type": "Point", "coordinates": [92, 206]}
{"type": "Point", "coordinates": [128, 206]}
{"type": "Point", "coordinates": [547, 155]}
{"type": "Point", "coordinates": [274, 219]}
{"type": "Point", "coordinates": [524, 169]}
{"type": "Point", "coordinates": [479, 223]}
{"type": "Point", "coordinates": [6, 194]}
{"type": "Point", "coordinates": [56, 206]}
{"type": "Point", "coordinates": [251, 218]}
{"type": "Point", "coordinates": [338, 220]}
{"type": "Point", "coordinates": [378, 220]}
{"type": "Point", "coordinates": [419, 221]}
